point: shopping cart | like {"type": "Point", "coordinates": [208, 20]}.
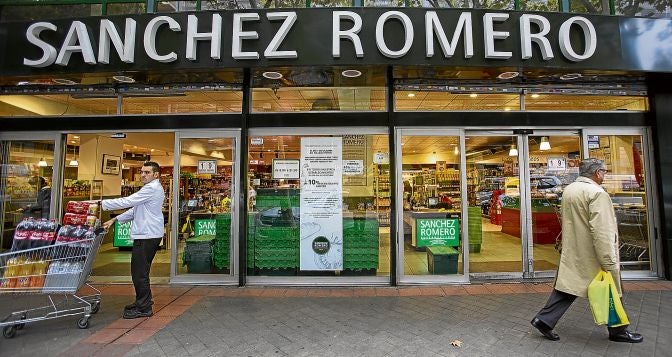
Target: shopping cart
{"type": "Point", "coordinates": [58, 271]}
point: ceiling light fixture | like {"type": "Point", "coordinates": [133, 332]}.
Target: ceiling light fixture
{"type": "Point", "coordinates": [513, 151]}
{"type": "Point", "coordinates": [42, 162]}
{"type": "Point", "coordinates": [351, 73]}
{"type": "Point", "coordinates": [456, 151]}
{"type": "Point", "coordinates": [272, 75]}
{"type": "Point", "coordinates": [123, 79]}
{"type": "Point", "coordinates": [545, 144]}
{"type": "Point", "coordinates": [473, 95]}
{"type": "Point", "coordinates": [411, 95]}
{"type": "Point", "coordinates": [508, 75]}
{"type": "Point", "coordinates": [64, 81]}
{"type": "Point", "coordinates": [570, 76]}
{"type": "Point", "coordinates": [535, 95]}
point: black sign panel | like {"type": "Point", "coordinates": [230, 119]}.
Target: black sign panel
{"type": "Point", "coordinates": [311, 37]}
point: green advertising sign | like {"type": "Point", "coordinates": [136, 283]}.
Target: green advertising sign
{"type": "Point", "coordinates": [437, 232]}
{"type": "Point", "coordinates": [205, 226]}
{"type": "Point", "coordinates": [122, 235]}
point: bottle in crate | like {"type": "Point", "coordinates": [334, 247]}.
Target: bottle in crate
{"type": "Point", "coordinates": [25, 271]}
{"type": "Point", "coordinates": [39, 271]}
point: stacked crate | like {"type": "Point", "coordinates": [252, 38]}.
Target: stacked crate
{"type": "Point", "coordinates": [276, 243]}
{"type": "Point", "coordinates": [360, 244]}
{"type": "Point", "coordinates": [222, 242]}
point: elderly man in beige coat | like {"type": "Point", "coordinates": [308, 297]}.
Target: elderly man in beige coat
{"type": "Point", "coordinates": [589, 243]}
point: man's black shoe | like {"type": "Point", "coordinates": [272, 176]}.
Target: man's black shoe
{"type": "Point", "coordinates": [135, 313]}
{"type": "Point", "coordinates": [626, 336]}
{"type": "Point", "coordinates": [544, 329]}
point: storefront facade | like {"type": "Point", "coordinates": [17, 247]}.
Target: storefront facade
{"type": "Point", "coordinates": [356, 146]}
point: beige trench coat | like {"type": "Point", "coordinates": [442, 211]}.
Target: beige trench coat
{"type": "Point", "coordinates": [589, 237]}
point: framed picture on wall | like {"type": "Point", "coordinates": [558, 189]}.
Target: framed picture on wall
{"type": "Point", "coordinates": [111, 164]}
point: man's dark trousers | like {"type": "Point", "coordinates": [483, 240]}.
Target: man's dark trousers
{"type": "Point", "coordinates": [557, 305]}
{"type": "Point", "coordinates": [141, 260]}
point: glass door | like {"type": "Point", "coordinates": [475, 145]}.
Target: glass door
{"type": "Point", "coordinates": [26, 177]}
{"type": "Point", "coordinates": [319, 206]}
{"type": "Point", "coordinates": [553, 163]}
{"type": "Point", "coordinates": [496, 212]}
{"type": "Point", "coordinates": [625, 154]}
{"type": "Point", "coordinates": [204, 218]}
{"type": "Point", "coordinates": [432, 234]}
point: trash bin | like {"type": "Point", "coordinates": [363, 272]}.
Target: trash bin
{"type": "Point", "coordinates": [197, 254]}
{"type": "Point", "coordinates": [442, 260]}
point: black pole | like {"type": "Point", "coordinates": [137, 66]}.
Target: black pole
{"type": "Point", "coordinates": [242, 180]}
{"type": "Point", "coordinates": [393, 176]}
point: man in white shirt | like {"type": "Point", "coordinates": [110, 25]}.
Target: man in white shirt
{"type": "Point", "coordinates": [146, 231]}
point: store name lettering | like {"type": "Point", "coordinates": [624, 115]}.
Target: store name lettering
{"type": "Point", "coordinates": [346, 27]}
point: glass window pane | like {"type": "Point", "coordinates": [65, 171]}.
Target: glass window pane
{"type": "Point", "coordinates": [625, 183]}
{"type": "Point", "coordinates": [539, 101]}
{"type": "Point", "coordinates": [432, 205]}
{"type": "Point", "coordinates": [646, 8]}
{"type": "Point", "coordinates": [317, 89]}
{"type": "Point", "coordinates": [251, 4]}
{"type": "Point", "coordinates": [445, 101]}
{"type": "Point", "coordinates": [493, 193]}
{"type": "Point", "coordinates": [331, 191]}
{"type": "Point", "coordinates": [26, 169]}
{"type": "Point", "coordinates": [58, 104]}
{"type": "Point", "coordinates": [586, 6]}
{"type": "Point", "coordinates": [384, 3]}
{"type": "Point", "coordinates": [539, 5]}
{"type": "Point", "coordinates": [124, 9]}
{"type": "Point", "coordinates": [184, 102]}
{"type": "Point", "coordinates": [206, 178]}
{"type": "Point", "coordinates": [175, 6]}
{"type": "Point", "coordinates": [45, 12]}
{"type": "Point", "coordinates": [554, 164]}
{"type": "Point", "coordinates": [330, 3]}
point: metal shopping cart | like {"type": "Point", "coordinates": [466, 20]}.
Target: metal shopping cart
{"type": "Point", "coordinates": [58, 271]}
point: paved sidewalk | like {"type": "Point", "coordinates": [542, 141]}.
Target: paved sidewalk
{"type": "Point", "coordinates": [488, 320]}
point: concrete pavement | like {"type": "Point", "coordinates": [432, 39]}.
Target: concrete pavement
{"type": "Point", "coordinates": [487, 320]}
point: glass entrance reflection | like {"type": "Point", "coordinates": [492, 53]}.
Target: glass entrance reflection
{"type": "Point", "coordinates": [26, 168]}
{"type": "Point", "coordinates": [493, 192]}
{"type": "Point", "coordinates": [626, 184]}
{"type": "Point", "coordinates": [554, 164]}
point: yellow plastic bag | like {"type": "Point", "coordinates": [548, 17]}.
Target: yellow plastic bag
{"type": "Point", "coordinates": [598, 297]}
{"type": "Point", "coordinates": [605, 303]}
{"type": "Point", "coordinates": [617, 315]}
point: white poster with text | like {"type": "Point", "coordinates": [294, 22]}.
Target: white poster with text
{"type": "Point", "coordinates": [321, 204]}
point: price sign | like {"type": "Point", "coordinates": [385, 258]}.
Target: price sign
{"type": "Point", "coordinates": [557, 164]}
{"type": "Point", "coordinates": [381, 158]}
{"type": "Point", "coordinates": [207, 166]}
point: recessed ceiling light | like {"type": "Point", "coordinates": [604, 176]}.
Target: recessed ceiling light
{"type": "Point", "coordinates": [535, 95]}
{"type": "Point", "coordinates": [473, 95]}
{"type": "Point", "coordinates": [272, 75]}
{"type": "Point", "coordinates": [64, 81]}
{"type": "Point", "coordinates": [123, 79]}
{"type": "Point", "coordinates": [76, 137]}
{"type": "Point", "coordinates": [508, 75]}
{"type": "Point", "coordinates": [507, 109]}
{"type": "Point", "coordinates": [23, 83]}
{"type": "Point", "coordinates": [351, 73]}
{"type": "Point", "coordinates": [411, 95]}
{"type": "Point", "coordinates": [73, 142]}
{"type": "Point", "coordinates": [570, 76]}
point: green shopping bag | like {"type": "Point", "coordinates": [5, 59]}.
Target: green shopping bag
{"type": "Point", "coordinates": [599, 297]}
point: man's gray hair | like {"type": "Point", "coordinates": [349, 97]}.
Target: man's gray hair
{"type": "Point", "coordinates": [589, 166]}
